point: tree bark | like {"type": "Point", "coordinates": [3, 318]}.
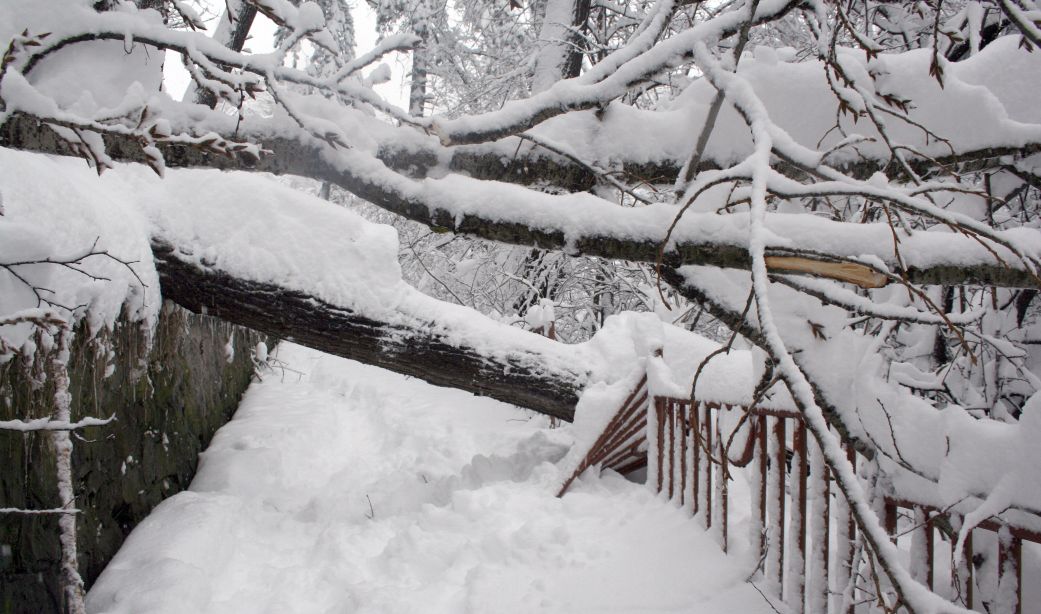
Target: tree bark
{"type": "Point", "coordinates": [418, 350]}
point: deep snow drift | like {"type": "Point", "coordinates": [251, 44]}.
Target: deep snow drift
{"type": "Point", "coordinates": [463, 516]}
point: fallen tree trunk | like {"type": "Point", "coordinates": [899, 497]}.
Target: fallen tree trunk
{"type": "Point", "coordinates": [417, 351]}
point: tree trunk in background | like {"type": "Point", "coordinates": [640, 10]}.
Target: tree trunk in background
{"type": "Point", "coordinates": [559, 56]}
{"type": "Point", "coordinates": [560, 43]}
{"type": "Point", "coordinates": [232, 32]}
{"type": "Point", "coordinates": [417, 94]}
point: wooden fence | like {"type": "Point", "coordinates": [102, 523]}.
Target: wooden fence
{"type": "Point", "coordinates": [693, 453]}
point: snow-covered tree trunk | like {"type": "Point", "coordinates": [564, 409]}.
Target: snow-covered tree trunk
{"type": "Point", "coordinates": [560, 43]}
{"type": "Point", "coordinates": [232, 32]}
{"type": "Point", "coordinates": [414, 348]}
{"type": "Point", "coordinates": [72, 583]}
{"type": "Point", "coordinates": [420, 73]}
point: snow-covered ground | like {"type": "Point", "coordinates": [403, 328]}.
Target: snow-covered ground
{"type": "Point", "coordinates": [347, 488]}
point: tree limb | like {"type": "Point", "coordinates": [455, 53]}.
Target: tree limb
{"type": "Point", "coordinates": [285, 155]}
{"type": "Point", "coordinates": [417, 350]}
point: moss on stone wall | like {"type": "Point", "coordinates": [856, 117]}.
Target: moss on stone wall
{"type": "Point", "coordinates": [169, 397]}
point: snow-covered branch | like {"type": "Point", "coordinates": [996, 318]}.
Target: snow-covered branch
{"type": "Point", "coordinates": [49, 424]}
{"type": "Point", "coordinates": [524, 369]}
{"type": "Point", "coordinates": [584, 224]}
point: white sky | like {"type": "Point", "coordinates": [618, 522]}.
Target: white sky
{"type": "Point", "coordinates": [262, 37]}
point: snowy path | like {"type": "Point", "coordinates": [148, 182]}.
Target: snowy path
{"type": "Point", "coordinates": [463, 516]}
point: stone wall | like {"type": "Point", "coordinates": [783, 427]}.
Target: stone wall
{"type": "Point", "coordinates": [169, 397]}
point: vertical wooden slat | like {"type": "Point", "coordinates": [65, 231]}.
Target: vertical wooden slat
{"type": "Point", "coordinates": [890, 519]}
{"type": "Point", "coordinates": [797, 569]}
{"type": "Point", "coordinates": [659, 409]}
{"type": "Point", "coordinates": [851, 456]}
{"type": "Point", "coordinates": [970, 573]}
{"type": "Point", "coordinates": [695, 433]}
{"type": "Point", "coordinates": [826, 519]}
{"type": "Point", "coordinates": [681, 408]}
{"type": "Point", "coordinates": [707, 425]}
{"type": "Point", "coordinates": [671, 418]}
{"type": "Point", "coordinates": [819, 548]}
{"type": "Point", "coordinates": [922, 547]}
{"type": "Point", "coordinates": [781, 459]}
{"type": "Point", "coordinates": [1010, 566]}
{"type": "Point", "coordinates": [930, 535]}
{"type": "Point", "coordinates": [846, 529]}
{"type": "Point", "coordinates": [1017, 554]}
{"type": "Point", "coordinates": [722, 478]}
{"type": "Point", "coordinates": [762, 453]}
{"type": "Point", "coordinates": [778, 465]}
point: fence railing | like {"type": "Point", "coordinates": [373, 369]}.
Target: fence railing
{"type": "Point", "coordinates": [622, 444]}
{"type": "Point", "coordinates": [800, 526]}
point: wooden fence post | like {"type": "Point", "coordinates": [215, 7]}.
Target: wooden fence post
{"type": "Point", "coordinates": [1010, 566]}
{"type": "Point", "coordinates": [820, 547]}
{"type": "Point", "coordinates": [682, 423]}
{"type": "Point", "coordinates": [659, 411]}
{"type": "Point", "coordinates": [721, 477]}
{"type": "Point", "coordinates": [797, 556]}
{"type": "Point", "coordinates": [775, 515]}
{"type": "Point", "coordinates": [695, 433]}
{"type": "Point", "coordinates": [706, 424]}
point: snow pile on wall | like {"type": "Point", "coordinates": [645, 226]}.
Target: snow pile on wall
{"type": "Point", "coordinates": [50, 211]}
